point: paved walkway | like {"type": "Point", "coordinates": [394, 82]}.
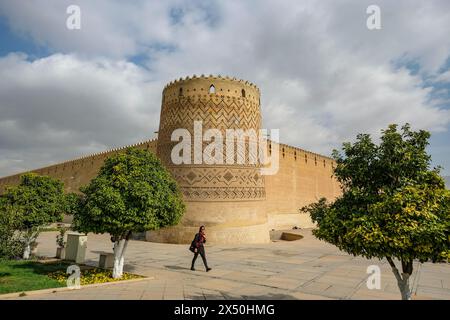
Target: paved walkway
{"type": "Point", "coordinates": [302, 269]}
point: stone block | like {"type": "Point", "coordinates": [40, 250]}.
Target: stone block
{"type": "Point", "coordinates": [76, 247]}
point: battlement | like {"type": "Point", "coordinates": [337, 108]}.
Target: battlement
{"type": "Point", "coordinates": [80, 160]}
{"type": "Point", "coordinates": [93, 155]}
{"type": "Point", "coordinates": [211, 87]}
{"type": "Point", "coordinates": [210, 78]}
{"type": "Point", "coordinates": [289, 152]}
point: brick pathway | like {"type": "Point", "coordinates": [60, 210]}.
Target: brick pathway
{"type": "Point", "coordinates": [303, 269]}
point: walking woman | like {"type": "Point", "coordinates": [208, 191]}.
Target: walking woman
{"type": "Point", "coordinates": [199, 240]}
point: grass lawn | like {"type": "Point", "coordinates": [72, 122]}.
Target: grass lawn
{"type": "Point", "coordinates": [20, 275]}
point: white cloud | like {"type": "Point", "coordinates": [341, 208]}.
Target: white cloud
{"type": "Point", "coordinates": [323, 75]}
{"type": "Point", "coordinates": [62, 106]}
{"type": "Point", "coordinates": [443, 77]}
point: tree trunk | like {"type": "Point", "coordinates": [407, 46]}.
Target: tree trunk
{"type": "Point", "coordinates": [29, 237]}
{"type": "Point", "coordinates": [403, 279]}
{"type": "Point", "coordinates": [119, 250]}
{"type": "Point", "coordinates": [120, 246]}
{"type": "Point", "coordinates": [122, 257]}
{"type": "Point", "coordinates": [405, 290]}
{"type": "Point", "coordinates": [27, 251]}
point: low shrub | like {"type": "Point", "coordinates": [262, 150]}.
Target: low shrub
{"type": "Point", "coordinates": [11, 246]}
{"type": "Point", "coordinates": [91, 276]}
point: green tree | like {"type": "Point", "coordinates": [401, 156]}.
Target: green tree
{"type": "Point", "coordinates": [38, 200]}
{"type": "Point", "coordinates": [393, 205]}
{"type": "Point", "coordinates": [133, 192]}
{"type": "Point", "coordinates": [72, 202]}
{"type": "Point", "coordinates": [10, 244]}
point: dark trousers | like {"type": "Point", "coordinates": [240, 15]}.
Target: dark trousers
{"type": "Point", "coordinates": [200, 251]}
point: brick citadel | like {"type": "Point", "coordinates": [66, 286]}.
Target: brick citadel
{"type": "Point", "coordinates": [234, 201]}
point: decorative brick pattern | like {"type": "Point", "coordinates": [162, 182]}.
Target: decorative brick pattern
{"type": "Point", "coordinates": [227, 108]}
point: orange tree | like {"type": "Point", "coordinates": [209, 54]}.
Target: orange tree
{"type": "Point", "coordinates": [393, 205]}
{"type": "Point", "coordinates": [37, 201]}
{"type": "Point", "coordinates": [133, 192]}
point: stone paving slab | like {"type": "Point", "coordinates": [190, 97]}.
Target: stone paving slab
{"type": "Point", "coordinates": [303, 269]}
{"type": "Point", "coordinates": [340, 281]}
{"type": "Point", "coordinates": [339, 292]}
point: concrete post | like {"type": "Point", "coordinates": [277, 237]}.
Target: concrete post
{"type": "Point", "coordinates": [76, 247]}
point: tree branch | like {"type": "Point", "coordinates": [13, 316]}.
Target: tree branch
{"type": "Point", "coordinates": [391, 262]}
{"type": "Point", "coordinates": [407, 267]}
{"type": "Point", "coordinates": [394, 269]}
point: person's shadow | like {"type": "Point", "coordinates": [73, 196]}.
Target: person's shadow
{"type": "Point", "coordinates": [177, 268]}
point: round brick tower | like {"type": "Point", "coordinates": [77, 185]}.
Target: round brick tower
{"type": "Point", "coordinates": [227, 197]}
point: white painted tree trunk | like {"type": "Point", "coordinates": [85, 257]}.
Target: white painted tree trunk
{"type": "Point", "coordinates": [122, 257]}
{"type": "Point", "coordinates": [117, 250]}
{"type": "Point", "coordinates": [119, 257]}
{"type": "Point", "coordinates": [403, 279]}
{"type": "Point", "coordinates": [27, 251]}
{"type": "Point", "coordinates": [29, 236]}
{"type": "Point", "coordinates": [403, 285]}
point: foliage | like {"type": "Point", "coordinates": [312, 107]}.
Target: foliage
{"type": "Point", "coordinates": [133, 192]}
{"type": "Point", "coordinates": [26, 275]}
{"type": "Point", "coordinates": [393, 205]}
{"type": "Point", "coordinates": [91, 276]}
{"type": "Point", "coordinates": [38, 200]}
{"type": "Point", "coordinates": [10, 245]}
{"type": "Point", "coordinates": [60, 238]}
{"type": "Point", "coordinates": [71, 203]}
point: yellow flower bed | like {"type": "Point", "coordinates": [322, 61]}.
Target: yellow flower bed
{"type": "Point", "coordinates": [91, 276]}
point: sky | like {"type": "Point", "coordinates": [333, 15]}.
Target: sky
{"type": "Point", "coordinates": [324, 76]}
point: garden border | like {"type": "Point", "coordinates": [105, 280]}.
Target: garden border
{"type": "Point", "coordinates": [54, 290]}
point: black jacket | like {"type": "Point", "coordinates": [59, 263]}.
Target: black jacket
{"type": "Point", "coordinates": [199, 240]}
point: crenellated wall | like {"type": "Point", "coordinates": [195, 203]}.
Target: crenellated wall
{"type": "Point", "coordinates": [303, 177]}
{"type": "Point", "coordinates": [78, 172]}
